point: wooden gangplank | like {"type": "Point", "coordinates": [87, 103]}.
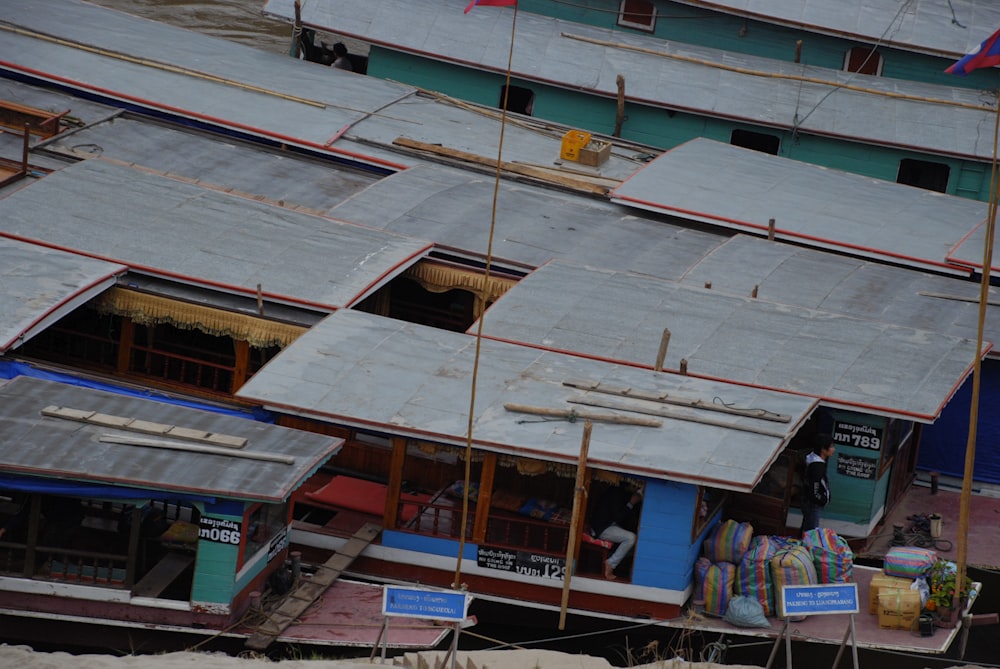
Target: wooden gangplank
{"type": "Point", "coordinates": [307, 591]}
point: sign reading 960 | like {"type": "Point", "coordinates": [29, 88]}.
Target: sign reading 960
{"type": "Point", "coordinates": [219, 531]}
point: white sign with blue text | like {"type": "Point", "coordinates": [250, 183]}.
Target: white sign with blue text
{"type": "Point", "coordinates": [430, 604]}
{"type": "Point", "coordinates": [812, 600]}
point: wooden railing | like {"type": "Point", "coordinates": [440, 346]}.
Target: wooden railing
{"type": "Point", "coordinates": [434, 519]}
{"type": "Point", "coordinates": [63, 564]}
{"type": "Point", "coordinates": [516, 531]}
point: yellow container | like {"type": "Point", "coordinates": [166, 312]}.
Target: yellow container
{"type": "Point", "coordinates": [572, 142]}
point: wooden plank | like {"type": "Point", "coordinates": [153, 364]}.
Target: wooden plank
{"type": "Point", "coordinates": [577, 184]}
{"type": "Point", "coordinates": [163, 574]}
{"type": "Point", "coordinates": [307, 592]}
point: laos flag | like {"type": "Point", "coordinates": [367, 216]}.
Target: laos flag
{"type": "Point", "coordinates": [493, 3]}
{"type": "Point", "coordinates": [986, 54]}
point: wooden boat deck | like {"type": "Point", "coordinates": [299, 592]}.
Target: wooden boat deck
{"type": "Point", "coordinates": [350, 614]}
{"type": "Point", "coordinates": [984, 525]}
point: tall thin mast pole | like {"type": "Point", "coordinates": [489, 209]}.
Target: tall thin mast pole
{"type": "Point", "coordinates": [970, 447]}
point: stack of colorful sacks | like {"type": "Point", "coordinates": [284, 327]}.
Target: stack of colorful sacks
{"type": "Point", "coordinates": [715, 572]}
{"type": "Point", "coordinates": [738, 564]}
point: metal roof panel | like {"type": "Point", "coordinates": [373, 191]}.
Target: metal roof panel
{"type": "Point", "coordinates": [938, 27]}
{"type": "Point", "coordinates": [708, 181]}
{"type": "Point", "coordinates": [674, 75]}
{"type": "Point", "coordinates": [41, 285]}
{"type": "Point", "coordinates": [36, 445]}
{"type": "Point", "coordinates": [205, 236]}
{"type": "Point", "coordinates": [412, 380]}
{"type": "Point", "coordinates": [736, 338]}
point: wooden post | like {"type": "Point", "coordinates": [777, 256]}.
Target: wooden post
{"type": "Point", "coordinates": [684, 366]}
{"type": "Point", "coordinates": [798, 51]}
{"type": "Point", "coordinates": [486, 477]}
{"type": "Point", "coordinates": [708, 285]}
{"type": "Point", "coordinates": [296, 31]}
{"type": "Point", "coordinates": [662, 354]}
{"type": "Point", "coordinates": [395, 484]}
{"type": "Point", "coordinates": [753, 293]}
{"type": "Point", "coordinates": [574, 523]}
{"type": "Point", "coordinates": [260, 300]}
{"type": "Point", "coordinates": [620, 116]}
{"type": "Point", "coordinates": [770, 230]}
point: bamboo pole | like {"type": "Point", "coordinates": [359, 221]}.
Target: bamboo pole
{"type": "Point", "coordinates": [970, 447]}
{"type": "Point", "coordinates": [574, 524]}
{"type": "Point", "coordinates": [673, 415]}
{"type": "Point", "coordinates": [774, 75]}
{"type": "Point", "coordinates": [572, 414]}
{"type": "Point", "coordinates": [664, 398]}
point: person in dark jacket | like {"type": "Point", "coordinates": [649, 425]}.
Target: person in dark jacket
{"type": "Point", "coordinates": [815, 483]}
{"type": "Point", "coordinates": [615, 519]}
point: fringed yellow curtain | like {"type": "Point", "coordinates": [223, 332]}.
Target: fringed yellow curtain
{"type": "Point", "coordinates": [438, 278]}
{"type": "Point", "coordinates": [147, 309]}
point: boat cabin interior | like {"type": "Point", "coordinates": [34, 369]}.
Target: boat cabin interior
{"type": "Point", "coordinates": [148, 549]}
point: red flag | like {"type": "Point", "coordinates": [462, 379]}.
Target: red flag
{"type": "Point", "coordinates": [986, 54]}
{"type": "Point", "coordinates": [492, 3]}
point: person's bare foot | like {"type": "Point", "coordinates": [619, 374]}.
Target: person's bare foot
{"type": "Point", "coordinates": [609, 572]}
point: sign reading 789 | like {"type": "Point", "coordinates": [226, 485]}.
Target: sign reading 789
{"type": "Point", "coordinates": [859, 436]}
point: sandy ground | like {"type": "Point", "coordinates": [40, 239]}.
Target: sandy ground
{"type": "Point", "coordinates": [24, 657]}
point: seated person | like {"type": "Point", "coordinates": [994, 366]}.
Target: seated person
{"type": "Point", "coordinates": [615, 519]}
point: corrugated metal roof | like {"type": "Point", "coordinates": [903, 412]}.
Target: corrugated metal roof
{"type": "Point", "coordinates": [724, 185]}
{"type": "Point", "coordinates": [177, 229]}
{"type": "Point", "coordinates": [42, 285]}
{"type": "Point", "coordinates": [412, 380]}
{"type": "Point", "coordinates": [533, 225]}
{"type": "Point", "coordinates": [37, 445]}
{"type": "Point", "coordinates": [251, 91]}
{"type": "Point", "coordinates": [939, 27]}
{"type": "Point", "coordinates": [873, 367]}
{"type": "Point", "coordinates": [780, 94]}
{"type": "Point", "coordinates": [788, 274]}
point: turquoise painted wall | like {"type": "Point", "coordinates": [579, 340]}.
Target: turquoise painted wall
{"type": "Point", "coordinates": [854, 498]}
{"type": "Point", "coordinates": [215, 564]}
{"type": "Point", "coordinates": [658, 128]}
{"type": "Point", "coordinates": [692, 25]}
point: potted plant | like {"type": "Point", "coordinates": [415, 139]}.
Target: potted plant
{"type": "Point", "coordinates": [941, 578]}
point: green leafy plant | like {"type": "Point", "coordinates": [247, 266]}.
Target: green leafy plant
{"type": "Point", "coordinates": [941, 578]}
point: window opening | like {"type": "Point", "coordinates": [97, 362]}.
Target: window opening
{"type": "Point", "coordinates": [637, 14]}
{"type": "Point", "coordinates": [520, 100]}
{"type": "Point", "coordinates": [757, 141]}
{"type": "Point", "coordinates": [923, 174]}
{"type": "Point", "coordinates": [264, 523]}
{"type": "Point", "coordinates": [863, 60]}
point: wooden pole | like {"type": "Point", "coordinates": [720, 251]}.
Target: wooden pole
{"type": "Point", "coordinates": [296, 31]}
{"type": "Point", "coordinates": [579, 498]}
{"type": "Point", "coordinates": [620, 115]}
{"type": "Point", "coordinates": [573, 414]}
{"type": "Point", "coordinates": [770, 230]}
{"type": "Point", "coordinates": [666, 412]}
{"type": "Point", "coordinates": [970, 447]}
{"type": "Point", "coordinates": [662, 354]}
